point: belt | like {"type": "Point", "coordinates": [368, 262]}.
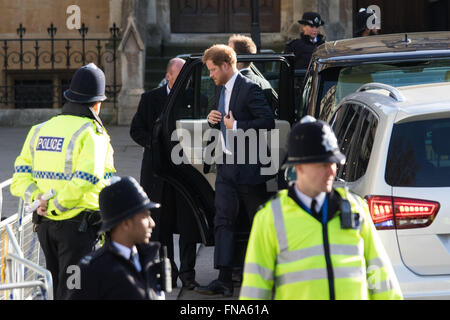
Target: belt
{"type": "Point", "coordinates": [78, 218]}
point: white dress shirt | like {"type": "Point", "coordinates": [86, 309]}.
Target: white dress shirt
{"type": "Point", "coordinates": [126, 252]}
{"type": "Point", "coordinates": [228, 90]}
{"type": "Point", "coordinates": [307, 200]}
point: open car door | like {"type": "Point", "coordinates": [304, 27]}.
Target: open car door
{"type": "Point", "coordinates": [182, 130]}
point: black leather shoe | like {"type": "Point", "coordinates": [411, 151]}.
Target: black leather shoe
{"type": "Point", "coordinates": [216, 287]}
{"type": "Point", "coordinates": [190, 284]}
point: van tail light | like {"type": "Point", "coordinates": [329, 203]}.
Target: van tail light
{"type": "Point", "coordinates": [401, 213]}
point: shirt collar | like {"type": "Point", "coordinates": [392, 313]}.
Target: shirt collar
{"type": "Point", "coordinates": [167, 89]}
{"type": "Point", "coordinates": [307, 199]}
{"type": "Point", "coordinates": [229, 85]}
{"type": "Point", "coordinates": [124, 250]}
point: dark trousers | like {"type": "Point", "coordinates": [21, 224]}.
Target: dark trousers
{"type": "Point", "coordinates": [63, 245]}
{"type": "Point", "coordinates": [228, 199]}
{"type": "Point", "coordinates": [167, 223]}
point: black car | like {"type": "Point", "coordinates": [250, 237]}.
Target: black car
{"type": "Point", "coordinates": [336, 69]}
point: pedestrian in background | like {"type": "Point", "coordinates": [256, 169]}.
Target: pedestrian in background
{"type": "Point", "coordinates": [244, 45]}
{"type": "Point", "coordinates": [174, 215]}
{"type": "Point", "coordinates": [127, 266]}
{"type": "Point", "coordinates": [361, 28]}
{"type": "Point", "coordinates": [309, 40]}
{"type": "Point", "coordinates": [71, 154]}
{"type": "Point", "coordinates": [314, 241]}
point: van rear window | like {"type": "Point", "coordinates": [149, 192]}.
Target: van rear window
{"type": "Point", "coordinates": [419, 154]}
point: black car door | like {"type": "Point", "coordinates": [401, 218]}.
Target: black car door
{"type": "Point", "coordinates": [182, 130]}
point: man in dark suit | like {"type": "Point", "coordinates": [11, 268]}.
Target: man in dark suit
{"type": "Point", "coordinates": [244, 45]}
{"type": "Point", "coordinates": [241, 108]}
{"type": "Point", "coordinates": [170, 217]}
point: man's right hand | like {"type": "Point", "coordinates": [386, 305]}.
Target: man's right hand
{"type": "Point", "coordinates": [42, 209]}
{"type": "Point", "coordinates": [214, 117]}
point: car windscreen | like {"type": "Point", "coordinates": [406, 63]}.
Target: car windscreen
{"type": "Point", "coordinates": [338, 82]}
{"type": "Point", "coordinates": [396, 75]}
{"type": "Point", "coordinates": [419, 154]}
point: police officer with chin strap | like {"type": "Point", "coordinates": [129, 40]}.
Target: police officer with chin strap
{"type": "Point", "coordinates": [127, 266]}
{"type": "Point", "coordinates": [310, 38]}
{"type": "Point", "coordinates": [314, 241]}
{"type": "Point", "coordinates": [71, 154]}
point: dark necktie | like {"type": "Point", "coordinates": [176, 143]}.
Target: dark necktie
{"type": "Point", "coordinates": [131, 259]}
{"type": "Point", "coordinates": [313, 207]}
{"type": "Point", "coordinates": [221, 109]}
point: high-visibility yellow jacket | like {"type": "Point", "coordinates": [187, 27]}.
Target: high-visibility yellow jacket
{"type": "Point", "coordinates": [292, 255]}
{"type": "Point", "coordinates": [69, 154]}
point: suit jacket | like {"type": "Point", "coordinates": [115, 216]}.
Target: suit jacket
{"type": "Point", "coordinates": [251, 111]}
{"type": "Point", "coordinates": [263, 83]}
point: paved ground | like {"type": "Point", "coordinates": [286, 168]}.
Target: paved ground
{"type": "Point", "coordinates": [127, 158]}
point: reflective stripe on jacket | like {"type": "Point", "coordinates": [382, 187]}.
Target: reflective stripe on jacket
{"type": "Point", "coordinates": [292, 255]}
{"type": "Point", "coordinates": [67, 154]}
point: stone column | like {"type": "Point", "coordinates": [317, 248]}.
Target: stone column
{"type": "Point", "coordinates": [132, 57]}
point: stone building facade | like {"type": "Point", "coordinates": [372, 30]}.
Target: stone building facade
{"type": "Point", "coordinates": [151, 32]}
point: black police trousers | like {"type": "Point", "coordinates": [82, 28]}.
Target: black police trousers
{"type": "Point", "coordinates": [63, 246]}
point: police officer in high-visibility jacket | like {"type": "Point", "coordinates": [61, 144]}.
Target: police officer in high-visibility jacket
{"type": "Point", "coordinates": [314, 241]}
{"type": "Point", "coordinates": [71, 154]}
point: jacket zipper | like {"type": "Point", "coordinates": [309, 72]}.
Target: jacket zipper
{"type": "Point", "coordinates": [330, 273]}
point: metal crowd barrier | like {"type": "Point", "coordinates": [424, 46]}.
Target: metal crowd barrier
{"type": "Point", "coordinates": [22, 273]}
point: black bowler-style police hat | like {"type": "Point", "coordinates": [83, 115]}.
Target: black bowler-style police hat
{"type": "Point", "coordinates": [310, 141]}
{"type": "Point", "coordinates": [311, 18]}
{"type": "Point", "coordinates": [361, 19]}
{"type": "Point", "coordinates": [87, 85]}
{"type": "Point", "coordinates": [121, 200]}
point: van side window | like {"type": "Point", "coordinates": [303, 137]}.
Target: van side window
{"type": "Point", "coordinates": [345, 126]}
{"type": "Point", "coordinates": [355, 128]}
{"type": "Point", "coordinates": [362, 146]}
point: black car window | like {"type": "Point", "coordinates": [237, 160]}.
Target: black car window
{"type": "Point", "coordinates": [362, 144]}
{"type": "Point", "coordinates": [419, 154]}
{"type": "Point", "coordinates": [346, 127]}
{"type": "Point", "coordinates": [306, 96]}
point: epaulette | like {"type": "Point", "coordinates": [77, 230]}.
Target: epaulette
{"type": "Point", "coordinates": [273, 197]}
{"type": "Point", "coordinates": [291, 42]}
{"type": "Point", "coordinates": [98, 127]}
{"type": "Point", "coordinates": [86, 260]}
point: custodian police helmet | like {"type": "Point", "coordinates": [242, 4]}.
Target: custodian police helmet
{"type": "Point", "coordinates": [361, 20]}
{"type": "Point", "coordinates": [310, 141]}
{"type": "Point", "coordinates": [121, 200]}
{"type": "Point", "coordinates": [312, 18]}
{"type": "Point", "coordinates": [87, 85]}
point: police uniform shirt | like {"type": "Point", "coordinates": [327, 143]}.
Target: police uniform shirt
{"type": "Point", "coordinates": [126, 253]}
{"type": "Point", "coordinates": [306, 200]}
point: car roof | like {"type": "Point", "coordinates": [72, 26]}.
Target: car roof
{"type": "Point", "coordinates": [419, 101]}
{"type": "Point", "coordinates": [382, 47]}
